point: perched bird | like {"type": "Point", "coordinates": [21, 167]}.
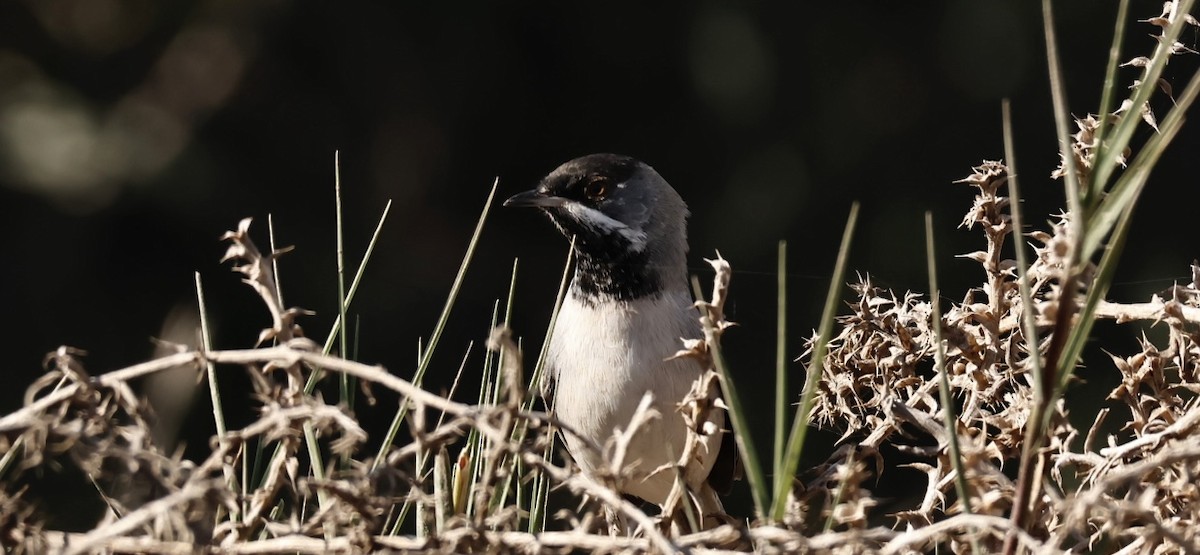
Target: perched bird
{"type": "Point", "coordinates": [626, 313]}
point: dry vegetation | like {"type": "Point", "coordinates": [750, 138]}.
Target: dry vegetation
{"type": "Point", "coordinates": [977, 393]}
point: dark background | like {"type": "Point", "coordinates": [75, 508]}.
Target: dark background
{"type": "Point", "coordinates": [133, 133]}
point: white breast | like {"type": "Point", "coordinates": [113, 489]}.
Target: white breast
{"type": "Point", "coordinates": [604, 357]}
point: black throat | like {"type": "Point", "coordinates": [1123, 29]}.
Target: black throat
{"type": "Point", "coordinates": [607, 268]}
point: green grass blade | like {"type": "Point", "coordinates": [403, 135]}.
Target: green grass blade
{"type": "Point", "coordinates": [318, 472]}
{"type": "Point", "coordinates": [255, 473]}
{"type": "Point", "coordinates": [741, 428]}
{"type": "Point", "coordinates": [214, 392]}
{"type": "Point", "coordinates": [1062, 122]}
{"type": "Point", "coordinates": [275, 261]}
{"type": "Point", "coordinates": [781, 404]}
{"type": "Point", "coordinates": [1124, 198]}
{"type": "Point", "coordinates": [517, 433]}
{"type": "Point", "coordinates": [1122, 132]}
{"type": "Point", "coordinates": [206, 341]}
{"type": "Point", "coordinates": [1137, 175]}
{"type": "Point", "coordinates": [437, 330]}
{"type": "Point", "coordinates": [315, 377]}
{"type": "Point", "coordinates": [539, 368]}
{"type": "Point", "coordinates": [796, 437]}
{"type": "Point", "coordinates": [541, 495]}
{"type": "Point", "coordinates": [512, 293]}
{"type": "Point", "coordinates": [1077, 223]}
{"type": "Point", "coordinates": [1108, 97]}
{"type": "Point", "coordinates": [421, 465]}
{"type": "Point", "coordinates": [475, 444]}
{"type": "Point", "coordinates": [1028, 318]}
{"type": "Point", "coordinates": [490, 389]}
{"type": "Point", "coordinates": [949, 418]}
{"type": "Point", "coordinates": [1099, 290]}
{"type": "Point", "coordinates": [347, 383]}
{"type": "Point", "coordinates": [1129, 185]}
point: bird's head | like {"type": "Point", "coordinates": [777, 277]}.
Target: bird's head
{"type": "Point", "coordinates": [624, 216]}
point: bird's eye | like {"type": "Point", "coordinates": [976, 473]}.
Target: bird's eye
{"type": "Point", "coordinates": [597, 189]}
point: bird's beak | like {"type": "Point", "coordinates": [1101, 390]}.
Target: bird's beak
{"type": "Point", "coordinates": [534, 198]}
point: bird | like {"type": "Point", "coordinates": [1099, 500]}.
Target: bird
{"type": "Point", "coordinates": [626, 312]}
